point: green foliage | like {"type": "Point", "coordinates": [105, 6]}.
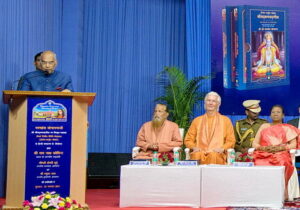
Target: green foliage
{"type": "Point", "coordinates": [181, 94]}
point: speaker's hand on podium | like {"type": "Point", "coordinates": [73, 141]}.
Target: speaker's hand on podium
{"type": "Point", "coordinates": [66, 90]}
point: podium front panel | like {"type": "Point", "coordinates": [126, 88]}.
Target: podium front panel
{"type": "Point", "coordinates": [48, 145]}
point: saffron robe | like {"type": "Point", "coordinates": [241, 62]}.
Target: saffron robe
{"type": "Point", "coordinates": [273, 135]}
{"type": "Point", "coordinates": [208, 133]}
{"type": "Point", "coordinates": [167, 137]}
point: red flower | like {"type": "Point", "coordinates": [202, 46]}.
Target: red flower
{"type": "Point", "coordinates": [244, 154]}
{"type": "Point", "coordinates": [166, 157]}
{"type": "Point", "coordinates": [245, 157]}
{"type": "Point", "coordinates": [26, 203]}
{"type": "Point", "coordinates": [68, 205]}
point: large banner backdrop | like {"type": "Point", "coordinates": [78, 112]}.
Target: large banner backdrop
{"type": "Point", "coordinates": [287, 95]}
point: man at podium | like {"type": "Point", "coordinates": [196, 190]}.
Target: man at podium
{"type": "Point", "coordinates": [46, 79]}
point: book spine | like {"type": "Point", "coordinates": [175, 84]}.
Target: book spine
{"type": "Point", "coordinates": [236, 47]}
{"type": "Point", "coordinates": [240, 58]}
{"type": "Point", "coordinates": [233, 43]}
{"type": "Point", "coordinates": [228, 81]}
{"type": "Point", "coordinates": [244, 47]}
{"type": "Point", "coordinates": [225, 49]}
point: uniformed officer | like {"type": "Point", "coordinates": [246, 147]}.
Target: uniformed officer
{"type": "Point", "coordinates": [246, 129]}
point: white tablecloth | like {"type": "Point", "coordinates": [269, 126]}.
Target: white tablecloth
{"type": "Point", "coordinates": [154, 186]}
{"type": "Point", "coordinates": [205, 186]}
{"type": "Point", "coordinates": [259, 186]}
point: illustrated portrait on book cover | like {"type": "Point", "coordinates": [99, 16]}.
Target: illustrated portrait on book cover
{"type": "Point", "coordinates": [268, 57]}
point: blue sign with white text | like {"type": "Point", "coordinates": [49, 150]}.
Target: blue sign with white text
{"type": "Point", "coordinates": [48, 150]}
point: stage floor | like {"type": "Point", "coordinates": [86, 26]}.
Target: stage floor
{"type": "Point", "coordinates": [109, 199]}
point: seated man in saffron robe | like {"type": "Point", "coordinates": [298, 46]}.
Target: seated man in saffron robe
{"type": "Point", "coordinates": [211, 134]}
{"type": "Point", "coordinates": [273, 142]}
{"type": "Point", "coordinates": [159, 135]}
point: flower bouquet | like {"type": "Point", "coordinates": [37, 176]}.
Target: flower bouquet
{"type": "Point", "coordinates": [51, 201]}
{"type": "Point", "coordinates": [244, 157]}
{"type": "Point", "coordinates": [165, 158]}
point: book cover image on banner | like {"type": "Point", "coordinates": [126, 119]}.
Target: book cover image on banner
{"type": "Point", "coordinates": [48, 146]}
{"type": "Point", "coordinates": [255, 49]}
{"type": "Point", "coordinates": [263, 53]}
{"type": "Point", "coordinates": [264, 42]}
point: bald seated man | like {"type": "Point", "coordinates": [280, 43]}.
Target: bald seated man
{"type": "Point", "coordinates": [46, 78]}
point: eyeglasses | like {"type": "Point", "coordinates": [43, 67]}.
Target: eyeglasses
{"type": "Point", "coordinates": [47, 62]}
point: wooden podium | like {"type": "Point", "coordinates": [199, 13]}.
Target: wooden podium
{"type": "Point", "coordinates": [17, 140]}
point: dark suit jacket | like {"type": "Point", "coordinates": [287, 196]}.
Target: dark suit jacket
{"type": "Point", "coordinates": [294, 122]}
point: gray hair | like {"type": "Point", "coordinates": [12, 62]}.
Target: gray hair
{"type": "Point", "coordinates": [212, 93]}
{"type": "Point", "coordinates": [49, 52]}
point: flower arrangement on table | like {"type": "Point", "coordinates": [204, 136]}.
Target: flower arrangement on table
{"type": "Point", "coordinates": [244, 157]}
{"type": "Point", "coordinates": [165, 158]}
{"type": "Point", "coordinates": [51, 201]}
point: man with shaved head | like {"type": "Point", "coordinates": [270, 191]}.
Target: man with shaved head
{"type": "Point", "coordinates": [46, 78]}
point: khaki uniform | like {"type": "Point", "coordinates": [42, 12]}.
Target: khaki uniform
{"type": "Point", "coordinates": [245, 133]}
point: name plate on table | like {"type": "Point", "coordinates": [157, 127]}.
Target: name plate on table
{"type": "Point", "coordinates": [243, 164]}
{"type": "Point", "coordinates": [140, 163]}
{"type": "Point", "coordinates": [187, 163]}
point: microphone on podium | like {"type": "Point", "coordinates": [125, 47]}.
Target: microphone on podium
{"type": "Point", "coordinates": [13, 83]}
{"type": "Point", "coordinates": [21, 80]}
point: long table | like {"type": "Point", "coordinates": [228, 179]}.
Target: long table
{"type": "Point", "coordinates": [258, 186]}
{"type": "Point", "coordinates": [201, 186]}
{"type": "Point", "coordinates": [151, 186]}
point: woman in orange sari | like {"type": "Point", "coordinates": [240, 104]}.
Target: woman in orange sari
{"type": "Point", "coordinates": [273, 142]}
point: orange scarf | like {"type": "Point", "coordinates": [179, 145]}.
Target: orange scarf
{"type": "Point", "coordinates": [210, 132]}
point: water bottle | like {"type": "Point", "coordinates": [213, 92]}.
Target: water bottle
{"type": "Point", "coordinates": [187, 153]}
{"type": "Point", "coordinates": [155, 158]}
{"type": "Point", "coordinates": [176, 157]}
{"type": "Point", "coordinates": [230, 156]}
{"type": "Point", "coordinates": [250, 154]}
